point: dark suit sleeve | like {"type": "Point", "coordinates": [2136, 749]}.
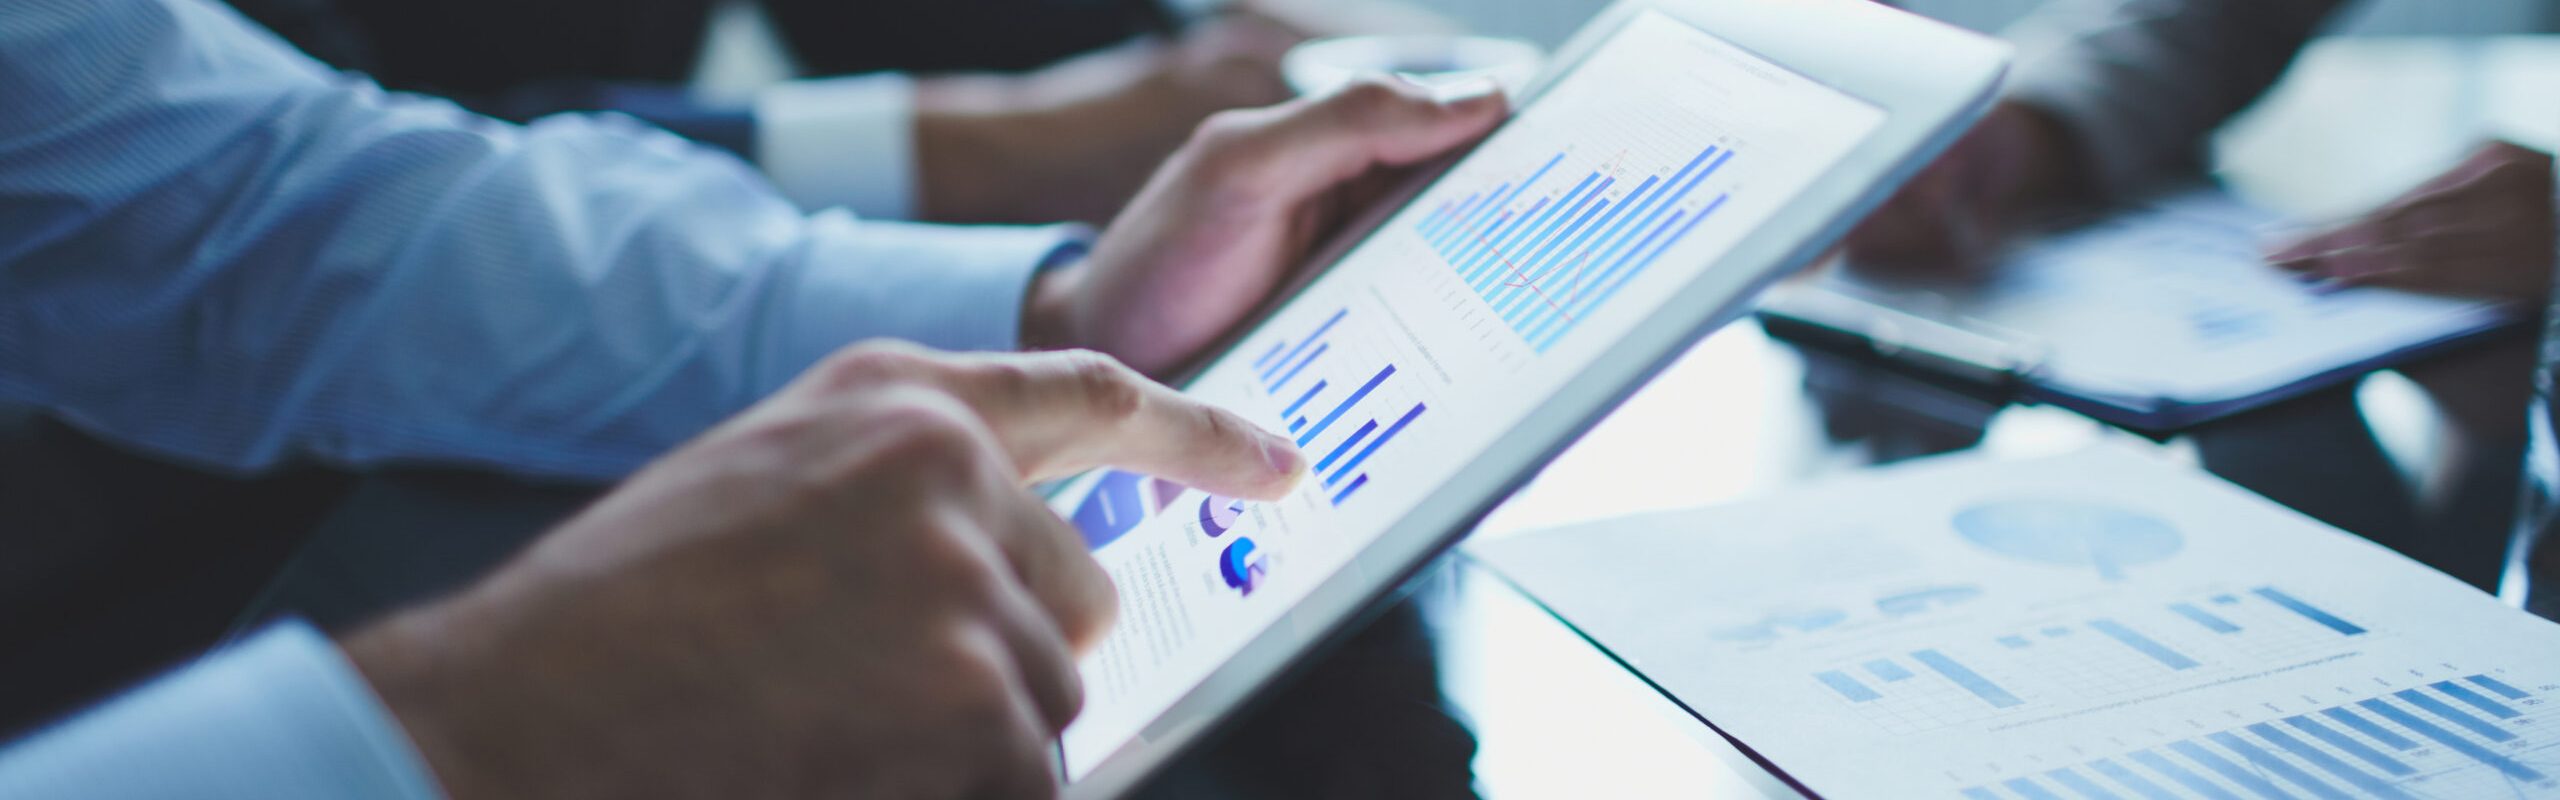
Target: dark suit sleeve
{"type": "Point", "coordinates": [523, 59]}
{"type": "Point", "coordinates": [836, 37]}
{"type": "Point", "coordinates": [518, 61]}
{"type": "Point", "coordinates": [2144, 82]}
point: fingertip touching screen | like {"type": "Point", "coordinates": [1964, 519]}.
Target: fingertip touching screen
{"type": "Point", "coordinates": [1448, 325]}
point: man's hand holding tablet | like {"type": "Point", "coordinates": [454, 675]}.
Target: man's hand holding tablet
{"type": "Point", "coordinates": [847, 590]}
{"type": "Point", "coordinates": [1680, 155]}
{"type": "Point", "coordinates": [1235, 212]}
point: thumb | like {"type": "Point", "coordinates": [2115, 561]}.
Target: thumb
{"type": "Point", "coordinates": [1302, 148]}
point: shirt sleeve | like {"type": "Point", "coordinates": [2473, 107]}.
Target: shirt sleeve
{"type": "Point", "coordinates": [841, 142]}
{"type": "Point", "coordinates": [728, 126]}
{"type": "Point", "coordinates": [2143, 83]}
{"type": "Point", "coordinates": [218, 251]}
{"type": "Point", "coordinates": [281, 716]}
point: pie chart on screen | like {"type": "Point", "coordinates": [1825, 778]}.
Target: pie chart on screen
{"type": "Point", "coordinates": [1219, 514]}
{"type": "Point", "coordinates": [1241, 565]}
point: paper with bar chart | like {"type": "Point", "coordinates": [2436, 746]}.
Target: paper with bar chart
{"type": "Point", "coordinates": [2094, 626]}
{"type": "Point", "coordinates": [1448, 325]}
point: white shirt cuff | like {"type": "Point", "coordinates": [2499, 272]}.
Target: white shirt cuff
{"type": "Point", "coordinates": [1195, 9]}
{"type": "Point", "coordinates": [844, 142]}
{"type": "Point", "coordinates": [952, 287]}
{"type": "Point", "coordinates": [280, 716]}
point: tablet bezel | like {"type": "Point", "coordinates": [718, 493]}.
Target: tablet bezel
{"type": "Point", "coordinates": [1931, 80]}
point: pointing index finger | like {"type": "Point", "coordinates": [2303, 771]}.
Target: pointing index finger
{"type": "Point", "coordinates": [1065, 412]}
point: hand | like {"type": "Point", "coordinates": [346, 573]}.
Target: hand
{"type": "Point", "coordinates": [2483, 228]}
{"type": "Point", "coordinates": [1320, 18]}
{"type": "Point", "coordinates": [1074, 141]}
{"type": "Point", "coordinates": [842, 592]}
{"type": "Point", "coordinates": [1952, 218]}
{"type": "Point", "coordinates": [1234, 211]}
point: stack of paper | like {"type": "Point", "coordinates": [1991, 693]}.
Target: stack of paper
{"type": "Point", "coordinates": [2095, 626]}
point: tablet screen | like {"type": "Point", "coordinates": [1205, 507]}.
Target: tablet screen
{"type": "Point", "coordinates": [1447, 326]}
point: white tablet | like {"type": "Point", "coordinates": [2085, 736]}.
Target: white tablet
{"type": "Point", "coordinates": [1679, 156]}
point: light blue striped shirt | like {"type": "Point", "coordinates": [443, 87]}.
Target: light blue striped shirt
{"type": "Point", "coordinates": [215, 249]}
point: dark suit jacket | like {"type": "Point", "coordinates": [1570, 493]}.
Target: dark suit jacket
{"type": "Point", "coordinates": [520, 59]}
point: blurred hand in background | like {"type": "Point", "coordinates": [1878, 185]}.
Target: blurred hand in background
{"type": "Point", "coordinates": [2484, 228]}
{"type": "Point", "coordinates": [1953, 218]}
{"type": "Point", "coordinates": [1075, 141]}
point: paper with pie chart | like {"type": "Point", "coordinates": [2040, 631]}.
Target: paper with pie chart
{"type": "Point", "coordinates": [2094, 626]}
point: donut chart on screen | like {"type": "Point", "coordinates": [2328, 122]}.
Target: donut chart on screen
{"type": "Point", "coordinates": [1242, 565]}
{"type": "Point", "coordinates": [1219, 514]}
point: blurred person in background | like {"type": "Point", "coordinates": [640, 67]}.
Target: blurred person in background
{"type": "Point", "coordinates": [2113, 98]}
{"type": "Point", "coordinates": [216, 250]}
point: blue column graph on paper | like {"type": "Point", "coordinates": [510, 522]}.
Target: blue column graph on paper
{"type": "Point", "coordinates": [2450, 737]}
{"type": "Point", "coordinates": [2136, 649]}
{"type": "Point", "coordinates": [1926, 661]}
{"type": "Point", "coordinates": [1546, 254]}
{"type": "Point", "coordinates": [1320, 404]}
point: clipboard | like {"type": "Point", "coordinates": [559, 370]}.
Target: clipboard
{"type": "Point", "coordinates": [2116, 319]}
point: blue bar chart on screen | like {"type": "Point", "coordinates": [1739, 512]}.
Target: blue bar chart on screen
{"type": "Point", "coordinates": [1317, 421]}
{"type": "Point", "coordinates": [1545, 253]}
{"type": "Point", "coordinates": [1452, 321]}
